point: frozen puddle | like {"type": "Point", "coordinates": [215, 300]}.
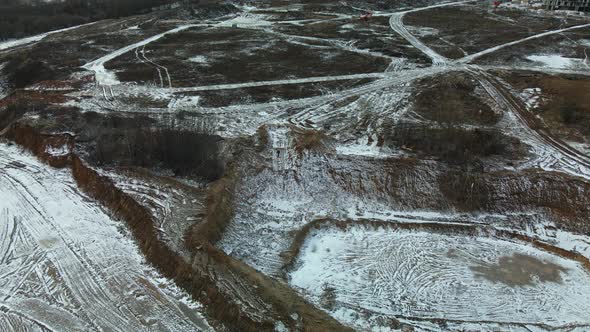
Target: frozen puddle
{"type": "Point", "coordinates": [65, 265]}
{"type": "Point", "coordinates": [417, 274]}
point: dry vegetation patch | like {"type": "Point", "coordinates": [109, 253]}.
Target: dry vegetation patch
{"type": "Point", "coordinates": [237, 56]}
{"type": "Point", "coordinates": [452, 99]}
{"type": "Point", "coordinates": [453, 144]}
{"type": "Point", "coordinates": [565, 198]}
{"type": "Point", "coordinates": [314, 141]}
{"type": "Point", "coordinates": [263, 94]}
{"type": "Point", "coordinates": [565, 108]}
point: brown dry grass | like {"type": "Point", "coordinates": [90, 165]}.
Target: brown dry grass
{"type": "Point", "coordinates": [310, 140]}
{"type": "Point", "coordinates": [560, 197]}
{"type": "Point", "coordinates": [472, 28]}
{"type": "Point", "coordinates": [566, 109]}
{"type": "Point", "coordinates": [451, 99]}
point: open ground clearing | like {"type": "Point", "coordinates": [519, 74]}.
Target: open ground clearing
{"type": "Point", "coordinates": [426, 169]}
{"type": "Point", "coordinates": [227, 56]}
{"type": "Point", "coordinates": [358, 272]}
{"type": "Point", "coordinates": [458, 31]}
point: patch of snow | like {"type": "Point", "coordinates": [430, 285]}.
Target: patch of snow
{"type": "Point", "coordinates": [532, 97]}
{"type": "Point", "coordinates": [198, 59]}
{"type": "Point", "coordinates": [280, 327]}
{"type": "Point", "coordinates": [347, 27]}
{"type": "Point", "coordinates": [553, 61]}
{"type": "Point", "coordinates": [246, 20]}
{"type": "Point", "coordinates": [184, 102]}
{"type": "Point", "coordinates": [63, 150]}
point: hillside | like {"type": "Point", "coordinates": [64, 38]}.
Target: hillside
{"type": "Point", "coordinates": [298, 166]}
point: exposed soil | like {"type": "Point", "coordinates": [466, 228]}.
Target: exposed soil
{"type": "Point", "coordinates": [520, 270]}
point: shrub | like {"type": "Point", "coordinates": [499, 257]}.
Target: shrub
{"type": "Point", "coordinates": [193, 152]}
{"type": "Point", "coordinates": [451, 144]}
{"type": "Point", "coordinates": [310, 140]}
{"type": "Point", "coordinates": [17, 110]}
{"type": "Point", "coordinates": [27, 71]}
{"type": "Point", "coordinates": [570, 113]}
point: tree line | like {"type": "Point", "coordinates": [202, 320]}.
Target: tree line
{"type": "Point", "coordinates": [18, 20]}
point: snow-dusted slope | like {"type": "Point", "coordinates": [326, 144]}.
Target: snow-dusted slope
{"type": "Point", "coordinates": [67, 266]}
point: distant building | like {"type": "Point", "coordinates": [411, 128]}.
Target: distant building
{"type": "Point", "coordinates": [578, 5]}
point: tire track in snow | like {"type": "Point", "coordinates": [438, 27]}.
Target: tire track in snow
{"type": "Point", "coordinates": [159, 68]}
{"type": "Point", "coordinates": [500, 94]}
{"type": "Point", "coordinates": [147, 64]}
{"type": "Point", "coordinates": [33, 39]}
{"type": "Point", "coordinates": [397, 25]}
{"type": "Point", "coordinates": [106, 77]}
{"type": "Point", "coordinates": [65, 229]}
{"type": "Point", "coordinates": [317, 79]}
{"type": "Point", "coordinates": [39, 226]}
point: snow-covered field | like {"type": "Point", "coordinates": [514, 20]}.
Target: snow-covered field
{"type": "Point", "coordinates": [417, 274]}
{"type": "Point", "coordinates": [65, 265]}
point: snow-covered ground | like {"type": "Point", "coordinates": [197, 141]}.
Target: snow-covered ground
{"type": "Point", "coordinates": [65, 265]}
{"type": "Point", "coordinates": [407, 273]}
{"type": "Point", "coordinates": [555, 61]}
